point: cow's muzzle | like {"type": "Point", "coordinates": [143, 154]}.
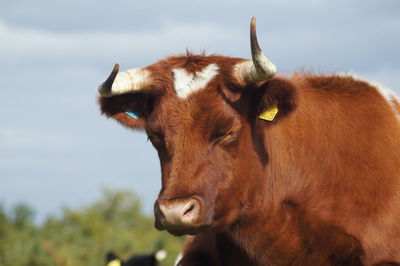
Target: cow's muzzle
{"type": "Point", "coordinates": [181, 216]}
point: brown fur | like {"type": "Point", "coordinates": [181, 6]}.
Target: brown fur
{"type": "Point", "coordinates": [319, 185]}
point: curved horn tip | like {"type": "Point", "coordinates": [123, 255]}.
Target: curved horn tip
{"type": "Point", "coordinates": [253, 21]}
{"type": "Point", "coordinates": [116, 67]}
{"type": "Point", "coordinates": [255, 47]}
{"type": "Point", "coordinates": [105, 87]}
{"type": "Point", "coordinates": [253, 25]}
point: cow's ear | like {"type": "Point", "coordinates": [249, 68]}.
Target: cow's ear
{"type": "Point", "coordinates": [273, 100]}
{"type": "Point", "coordinates": [131, 110]}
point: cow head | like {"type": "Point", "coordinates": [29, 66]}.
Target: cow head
{"type": "Point", "coordinates": [201, 113]}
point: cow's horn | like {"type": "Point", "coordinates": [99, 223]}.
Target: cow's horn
{"type": "Point", "coordinates": [105, 87]}
{"type": "Point", "coordinates": [258, 69]}
{"type": "Point", "coordinates": [124, 82]}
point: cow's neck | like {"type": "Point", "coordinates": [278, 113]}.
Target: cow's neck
{"type": "Point", "coordinates": [288, 235]}
{"type": "Point", "coordinates": [264, 237]}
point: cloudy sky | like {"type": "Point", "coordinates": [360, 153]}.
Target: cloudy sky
{"type": "Point", "coordinates": [56, 149]}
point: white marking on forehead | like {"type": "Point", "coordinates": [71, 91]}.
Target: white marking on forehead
{"type": "Point", "coordinates": [186, 83]}
{"type": "Point", "coordinates": [388, 94]}
{"type": "Point", "coordinates": [130, 80]}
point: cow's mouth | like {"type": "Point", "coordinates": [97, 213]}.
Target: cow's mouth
{"type": "Point", "coordinates": [188, 231]}
{"type": "Point", "coordinates": [180, 228]}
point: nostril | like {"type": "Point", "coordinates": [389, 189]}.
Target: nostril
{"type": "Point", "coordinates": [191, 207]}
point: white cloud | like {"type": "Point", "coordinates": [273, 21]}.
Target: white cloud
{"type": "Point", "coordinates": [24, 44]}
{"type": "Point", "coordinates": [301, 35]}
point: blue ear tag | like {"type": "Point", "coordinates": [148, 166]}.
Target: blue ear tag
{"type": "Point", "coordinates": [131, 114]}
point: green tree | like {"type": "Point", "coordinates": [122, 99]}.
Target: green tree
{"type": "Point", "coordinates": [22, 215]}
{"type": "Point", "coordinates": [83, 236]}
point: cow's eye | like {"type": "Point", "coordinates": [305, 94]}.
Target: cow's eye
{"type": "Point", "coordinates": [156, 138]}
{"type": "Point", "coordinates": [226, 137]}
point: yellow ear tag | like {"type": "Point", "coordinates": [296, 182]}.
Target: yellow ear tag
{"type": "Point", "coordinates": [269, 114]}
{"type": "Point", "coordinates": [115, 262]}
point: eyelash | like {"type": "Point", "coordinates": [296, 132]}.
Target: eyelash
{"type": "Point", "coordinates": [225, 137]}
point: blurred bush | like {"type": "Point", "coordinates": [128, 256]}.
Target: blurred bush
{"type": "Point", "coordinates": [82, 237]}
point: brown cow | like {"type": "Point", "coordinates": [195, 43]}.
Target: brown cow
{"type": "Point", "coordinates": [267, 170]}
